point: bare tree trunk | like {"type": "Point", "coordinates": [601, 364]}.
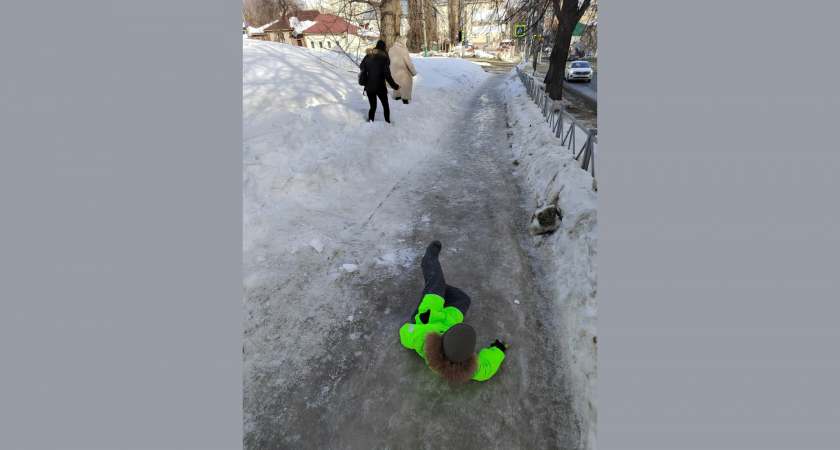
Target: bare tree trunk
{"type": "Point", "coordinates": [397, 21]}
{"type": "Point", "coordinates": [414, 37]}
{"type": "Point", "coordinates": [567, 14]}
{"type": "Point", "coordinates": [454, 20]}
{"type": "Point", "coordinates": [557, 62]}
{"type": "Point", "coordinates": [388, 23]}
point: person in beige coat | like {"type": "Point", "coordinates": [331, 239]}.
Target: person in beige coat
{"type": "Point", "coordinates": [402, 69]}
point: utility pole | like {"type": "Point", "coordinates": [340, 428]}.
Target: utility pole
{"type": "Point", "coordinates": [423, 18]}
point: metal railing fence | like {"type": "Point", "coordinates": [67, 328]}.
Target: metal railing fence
{"type": "Point", "coordinates": [554, 115]}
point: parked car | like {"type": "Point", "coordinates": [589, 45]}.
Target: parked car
{"type": "Point", "coordinates": [578, 70]}
{"type": "Point", "coordinates": [572, 57]}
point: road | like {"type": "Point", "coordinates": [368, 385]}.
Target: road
{"type": "Point", "coordinates": [373, 393]}
{"type": "Point", "coordinates": [581, 96]}
{"type": "Point", "coordinates": [589, 90]}
{"type": "Point", "coordinates": [582, 91]}
{"type": "Point", "coordinates": [585, 89]}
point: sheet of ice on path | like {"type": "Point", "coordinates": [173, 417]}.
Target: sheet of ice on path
{"type": "Point", "coordinates": [571, 251]}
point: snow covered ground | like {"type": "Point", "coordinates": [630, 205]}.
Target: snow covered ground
{"type": "Point", "coordinates": [308, 151]}
{"type": "Point", "coordinates": [314, 173]}
{"type": "Point", "coordinates": [315, 179]}
{"type": "Point", "coordinates": [553, 177]}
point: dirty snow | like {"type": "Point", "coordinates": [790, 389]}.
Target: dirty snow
{"type": "Point", "coordinates": [553, 177]}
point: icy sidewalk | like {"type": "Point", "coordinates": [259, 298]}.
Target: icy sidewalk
{"type": "Point", "coordinates": [553, 177]}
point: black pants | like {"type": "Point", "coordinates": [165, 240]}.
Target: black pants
{"type": "Point", "coordinates": [436, 284]}
{"type": "Point", "coordinates": [383, 97]}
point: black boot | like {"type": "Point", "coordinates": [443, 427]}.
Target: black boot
{"type": "Point", "coordinates": [397, 98]}
{"type": "Point", "coordinates": [434, 248]}
{"type": "Point", "coordinates": [405, 101]}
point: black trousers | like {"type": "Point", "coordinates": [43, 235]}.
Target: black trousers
{"type": "Point", "coordinates": [436, 284]}
{"type": "Point", "coordinates": [383, 97]}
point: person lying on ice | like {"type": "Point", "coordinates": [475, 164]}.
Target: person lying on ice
{"type": "Point", "coordinates": [437, 332]}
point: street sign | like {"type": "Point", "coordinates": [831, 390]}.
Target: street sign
{"type": "Point", "coordinates": [520, 31]}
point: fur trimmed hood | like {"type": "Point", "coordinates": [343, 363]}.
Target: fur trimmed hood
{"type": "Point", "coordinates": [452, 373]}
{"type": "Point", "coordinates": [376, 53]}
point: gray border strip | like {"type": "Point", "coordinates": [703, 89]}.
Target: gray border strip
{"type": "Point", "coordinates": [120, 180]}
{"type": "Point", "coordinates": [717, 227]}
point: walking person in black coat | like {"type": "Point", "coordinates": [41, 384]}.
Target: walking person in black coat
{"type": "Point", "coordinates": [378, 66]}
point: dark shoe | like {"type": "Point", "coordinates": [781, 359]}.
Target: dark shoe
{"type": "Point", "coordinates": [434, 248]}
{"type": "Point", "coordinates": [397, 98]}
{"type": "Point", "coordinates": [405, 101]}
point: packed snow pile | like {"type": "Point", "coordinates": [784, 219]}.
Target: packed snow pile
{"type": "Point", "coordinates": [314, 172]}
{"type": "Point", "coordinates": [565, 224]}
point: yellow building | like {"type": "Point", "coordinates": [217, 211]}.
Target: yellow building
{"type": "Point", "coordinates": [486, 27]}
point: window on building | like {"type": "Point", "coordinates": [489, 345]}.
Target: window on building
{"type": "Point", "coordinates": [300, 44]}
{"type": "Point", "coordinates": [321, 44]}
{"type": "Point", "coordinates": [312, 44]}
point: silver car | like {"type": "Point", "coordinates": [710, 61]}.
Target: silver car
{"type": "Point", "coordinates": [578, 70]}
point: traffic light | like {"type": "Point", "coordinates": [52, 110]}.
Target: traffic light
{"type": "Point", "coordinates": [461, 36]}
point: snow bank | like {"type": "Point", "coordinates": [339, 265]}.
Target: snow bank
{"type": "Point", "coordinates": [314, 172]}
{"type": "Point", "coordinates": [306, 141]}
{"type": "Point", "coordinates": [553, 177]}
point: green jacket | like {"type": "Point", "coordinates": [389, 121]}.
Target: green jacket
{"type": "Point", "coordinates": [413, 335]}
